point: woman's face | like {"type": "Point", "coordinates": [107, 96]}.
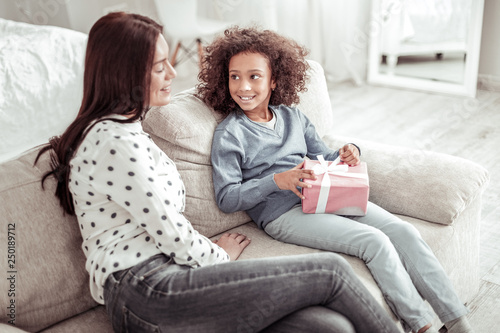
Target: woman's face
{"type": "Point", "coordinates": [250, 83]}
{"type": "Point", "coordinates": [161, 75]}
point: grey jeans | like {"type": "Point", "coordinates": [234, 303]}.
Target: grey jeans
{"type": "Point", "coordinates": [306, 293]}
{"type": "Point", "coordinates": [400, 261]}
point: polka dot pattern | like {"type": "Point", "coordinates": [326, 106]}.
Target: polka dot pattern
{"type": "Point", "coordinates": [129, 200]}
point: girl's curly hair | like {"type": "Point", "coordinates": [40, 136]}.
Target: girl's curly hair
{"type": "Point", "coordinates": [286, 58]}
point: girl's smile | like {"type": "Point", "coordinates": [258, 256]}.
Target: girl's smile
{"type": "Point", "coordinates": [251, 84]}
{"type": "Point", "coordinates": [246, 98]}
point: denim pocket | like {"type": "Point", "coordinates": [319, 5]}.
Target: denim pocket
{"type": "Point", "coordinates": [134, 324]}
{"type": "Point", "coordinates": [156, 269]}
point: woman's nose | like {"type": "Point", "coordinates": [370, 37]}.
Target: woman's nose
{"type": "Point", "coordinates": [170, 73]}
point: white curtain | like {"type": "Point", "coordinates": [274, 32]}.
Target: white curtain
{"type": "Point", "coordinates": [336, 32]}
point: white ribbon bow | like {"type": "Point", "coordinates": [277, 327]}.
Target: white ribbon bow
{"type": "Point", "coordinates": [333, 169]}
{"type": "Point", "coordinates": [323, 166]}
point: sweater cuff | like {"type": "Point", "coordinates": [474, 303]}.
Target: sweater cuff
{"type": "Point", "coordinates": [359, 149]}
{"type": "Point", "coordinates": [268, 186]}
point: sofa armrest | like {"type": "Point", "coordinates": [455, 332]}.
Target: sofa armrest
{"type": "Point", "coordinates": [427, 185]}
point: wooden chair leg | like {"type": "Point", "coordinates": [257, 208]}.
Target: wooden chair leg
{"type": "Point", "coordinates": [174, 56]}
{"type": "Point", "coordinates": [200, 51]}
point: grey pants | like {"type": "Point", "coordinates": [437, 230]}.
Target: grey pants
{"type": "Point", "coordinates": [401, 263]}
{"type": "Point", "coordinates": [306, 293]}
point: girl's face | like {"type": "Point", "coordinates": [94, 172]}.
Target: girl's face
{"type": "Point", "coordinates": [162, 74]}
{"type": "Point", "coordinates": [250, 82]}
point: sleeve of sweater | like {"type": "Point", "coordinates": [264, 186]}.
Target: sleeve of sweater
{"type": "Point", "coordinates": [124, 171]}
{"type": "Point", "coordinates": [231, 193]}
{"type": "Point", "coordinates": [316, 146]}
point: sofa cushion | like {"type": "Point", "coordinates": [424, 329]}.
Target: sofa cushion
{"type": "Point", "coordinates": [184, 129]}
{"type": "Point", "coordinates": [431, 186]}
{"type": "Point", "coordinates": [41, 75]}
{"type": "Point", "coordinates": [50, 280]}
{"type": "Point", "coordinates": [95, 320]}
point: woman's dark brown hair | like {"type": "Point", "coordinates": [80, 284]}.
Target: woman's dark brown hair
{"type": "Point", "coordinates": [118, 64]}
{"type": "Point", "coordinates": [286, 58]}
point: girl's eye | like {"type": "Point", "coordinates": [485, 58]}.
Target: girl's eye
{"type": "Point", "coordinates": [159, 70]}
{"type": "Point", "coordinates": [234, 77]}
{"type": "Point", "coordinates": [255, 76]}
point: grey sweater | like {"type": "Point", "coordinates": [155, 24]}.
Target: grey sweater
{"type": "Point", "coordinates": [246, 155]}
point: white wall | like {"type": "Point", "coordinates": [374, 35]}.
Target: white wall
{"type": "Point", "coordinates": [489, 60]}
{"type": "Point", "coordinates": [43, 12]}
{"type": "Point", "coordinates": [78, 15]}
{"type": "Point", "coordinates": [81, 14]}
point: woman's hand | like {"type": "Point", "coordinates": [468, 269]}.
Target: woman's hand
{"type": "Point", "coordinates": [233, 244]}
{"type": "Point", "coordinates": [289, 180]}
{"type": "Point", "coordinates": [349, 154]}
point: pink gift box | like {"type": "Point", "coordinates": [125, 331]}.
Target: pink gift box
{"type": "Point", "coordinates": [347, 193]}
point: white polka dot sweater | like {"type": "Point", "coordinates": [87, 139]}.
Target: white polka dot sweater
{"type": "Point", "coordinates": [129, 199]}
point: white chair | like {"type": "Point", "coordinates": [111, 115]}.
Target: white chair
{"type": "Point", "coordinates": [182, 23]}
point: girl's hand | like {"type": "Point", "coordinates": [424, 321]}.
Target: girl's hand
{"type": "Point", "coordinates": [233, 244]}
{"type": "Point", "coordinates": [349, 154]}
{"type": "Point", "coordinates": [289, 180]}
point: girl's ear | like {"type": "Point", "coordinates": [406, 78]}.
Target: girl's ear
{"type": "Point", "coordinates": [273, 84]}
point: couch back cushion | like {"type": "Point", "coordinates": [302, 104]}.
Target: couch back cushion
{"type": "Point", "coordinates": [49, 281]}
{"type": "Point", "coordinates": [184, 129]}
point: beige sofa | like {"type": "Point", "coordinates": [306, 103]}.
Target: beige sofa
{"type": "Point", "coordinates": [439, 194]}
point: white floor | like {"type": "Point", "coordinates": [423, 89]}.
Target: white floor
{"type": "Point", "coordinates": [464, 127]}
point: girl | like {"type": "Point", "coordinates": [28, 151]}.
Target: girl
{"type": "Point", "coordinates": [253, 77]}
{"type": "Point", "coordinates": [147, 264]}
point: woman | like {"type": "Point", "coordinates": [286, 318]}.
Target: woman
{"type": "Point", "coordinates": [147, 264]}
